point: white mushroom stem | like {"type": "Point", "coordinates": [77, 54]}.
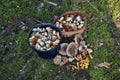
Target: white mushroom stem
{"type": "Point", "coordinates": [90, 55]}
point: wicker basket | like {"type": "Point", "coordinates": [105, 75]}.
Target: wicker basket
{"type": "Point", "coordinates": [71, 33]}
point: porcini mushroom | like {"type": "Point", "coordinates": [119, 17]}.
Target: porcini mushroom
{"type": "Point", "coordinates": [78, 38]}
{"type": "Point", "coordinates": [57, 60]}
{"type": "Point", "coordinates": [82, 43]}
{"type": "Point", "coordinates": [72, 49]}
{"type": "Point", "coordinates": [63, 48]}
{"type": "Point", "coordinates": [64, 60]}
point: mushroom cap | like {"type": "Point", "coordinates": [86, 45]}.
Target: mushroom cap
{"type": "Point", "coordinates": [72, 49]}
{"type": "Point", "coordinates": [57, 60]}
{"type": "Point", "coordinates": [78, 38]}
{"type": "Point", "coordinates": [63, 48]}
{"type": "Point", "coordinates": [82, 43]}
{"type": "Point", "coordinates": [64, 60]}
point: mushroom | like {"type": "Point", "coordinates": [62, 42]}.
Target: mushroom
{"type": "Point", "coordinates": [82, 43]}
{"type": "Point", "coordinates": [64, 60]}
{"type": "Point", "coordinates": [78, 38]}
{"type": "Point", "coordinates": [84, 52]}
{"type": "Point", "coordinates": [89, 53]}
{"type": "Point", "coordinates": [70, 59]}
{"type": "Point", "coordinates": [63, 48]}
{"type": "Point", "coordinates": [84, 63]}
{"type": "Point", "coordinates": [78, 57]}
{"type": "Point", "coordinates": [33, 40]}
{"type": "Point", "coordinates": [57, 60]}
{"type": "Point", "coordinates": [72, 49]}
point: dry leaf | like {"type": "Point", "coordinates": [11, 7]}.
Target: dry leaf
{"type": "Point", "coordinates": [104, 64]}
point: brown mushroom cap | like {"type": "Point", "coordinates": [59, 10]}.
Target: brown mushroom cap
{"type": "Point", "coordinates": [57, 60]}
{"type": "Point", "coordinates": [63, 48]}
{"type": "Point", "coordinates": [78, 38]}
{"type": "Point", "coordinates": [72, 49]}
{"type": "Point", "coordinates": [82, 43]}
{"type": "Point", "coordinates": [64, 60]}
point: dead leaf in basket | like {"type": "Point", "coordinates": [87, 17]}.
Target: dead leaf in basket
{"type": "Point", "coordinates": [104, 64]}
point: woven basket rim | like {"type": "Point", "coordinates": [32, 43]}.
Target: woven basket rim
{"type": "Point", "coordinates": [73, 12]}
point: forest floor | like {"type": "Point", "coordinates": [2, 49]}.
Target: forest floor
{"type": "Point", "coordinates": [19, 62]}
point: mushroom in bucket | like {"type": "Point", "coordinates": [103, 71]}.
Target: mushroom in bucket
{"type": "Point", "coordinates": [45, 40]}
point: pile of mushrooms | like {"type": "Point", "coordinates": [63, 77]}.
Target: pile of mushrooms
{"type": "Point", "coordinates": [70, 22]}
{"type": "Point", "coordinates": [74, 55]}
{"type": "Point", "coordinates": [44, 38]}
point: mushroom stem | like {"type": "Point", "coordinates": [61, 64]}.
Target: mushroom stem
{"type": "Point", "coordinates": [90, 55]}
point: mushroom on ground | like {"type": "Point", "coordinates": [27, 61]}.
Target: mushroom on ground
{"type": "Point", "coordinates": [78, 57]}
{"type": "Point", "coordinates": [82, 43]}
{"type": "Point", "coordinates": [78, 38]}
{"type": "Point", "coordinates": [84, 53]}
{"type": "Point", "coordinates": [70, 59]}
{"type": "Point", "coordinates": [63, 48]}
{"type": "Point", "coordinates": [64, 60]}
{"type": "Point", "coordinates": [89, 53]}
{"type": "Point", "coordinates": [72, 49]}
{"type": "Point", "coordinates": [57, 60]}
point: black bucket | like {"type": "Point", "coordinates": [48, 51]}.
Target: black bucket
{"type": "Point", "coordinates": [47, 54]}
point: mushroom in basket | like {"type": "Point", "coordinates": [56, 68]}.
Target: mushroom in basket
{"type": "Point", "coordinates": [71, 23]}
